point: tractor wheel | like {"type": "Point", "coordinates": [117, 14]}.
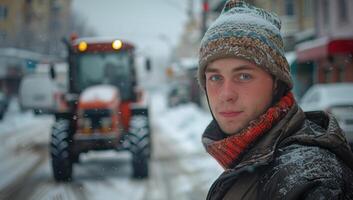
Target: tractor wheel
{"type": "Point", "coordinates": [140, 145]}
{"type": "Point", "coordinates": [60, 151]}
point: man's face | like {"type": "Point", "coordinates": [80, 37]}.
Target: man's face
{"type": "Point", "coordinates": [238, 92]}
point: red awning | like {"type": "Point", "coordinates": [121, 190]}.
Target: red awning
{"type": "Point", "coordinates": [323, 47]}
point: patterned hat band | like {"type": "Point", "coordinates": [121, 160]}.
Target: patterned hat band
{"type": "Point", "coordinates": [246, 48]}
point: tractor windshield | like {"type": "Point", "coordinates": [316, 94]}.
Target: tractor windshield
{"type": "Point", "coordinates": [105, 68]}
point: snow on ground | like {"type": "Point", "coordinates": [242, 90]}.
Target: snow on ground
{"type": "Point", "coordinates": [14, 120]}
{"type": "Point", "coordinates": [18, 132]}
{"type": "Point", "coordinates": [184, 124]}
{"type": "Point", "coordinates": [19, 129]}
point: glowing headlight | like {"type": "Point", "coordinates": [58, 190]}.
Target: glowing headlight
{"type": "Point", "coordinates": [82, 46]}
{"type": "Point", "coordinates": [117, 44]}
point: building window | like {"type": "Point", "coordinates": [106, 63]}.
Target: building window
{"type": "Point", "coordinates": [326, 13]}
{"type": "Point", "coordinates": [289, 7]}
{"type": "Point", "coordinates": [3, 12]}
{"type": "Point", "coordinates": [342, 10]}
{"type": "Point", "coordinates": [308, 8]}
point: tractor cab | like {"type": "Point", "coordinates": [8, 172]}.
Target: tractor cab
{"type": "Point", "coordinates": [113, 64]}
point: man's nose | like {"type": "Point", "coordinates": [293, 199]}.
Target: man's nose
{"type": "Point", "coordinates": [228, 91]}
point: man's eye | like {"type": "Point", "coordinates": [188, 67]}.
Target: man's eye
{"type": "Point", "coordinates": [215, 78]}
{"type": "Point", "coordinates": [245, 77]}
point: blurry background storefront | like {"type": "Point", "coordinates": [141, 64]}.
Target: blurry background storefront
{"type": "Point", "coordinates": [328, 57]}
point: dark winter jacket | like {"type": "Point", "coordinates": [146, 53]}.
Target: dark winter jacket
{"type": "Point", "coordinates": [304, 156]}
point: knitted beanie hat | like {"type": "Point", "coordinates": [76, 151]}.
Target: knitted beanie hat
{"type": "Point", "coordinates": [247, 32]}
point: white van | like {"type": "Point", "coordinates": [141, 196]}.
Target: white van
{"type": "Point", "coordinates": [38, 93]}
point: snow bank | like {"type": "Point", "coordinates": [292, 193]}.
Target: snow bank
{"type": "Point", "coordinates": [183, 124]}
{"type": "Point", "coordinates": [18, 132]}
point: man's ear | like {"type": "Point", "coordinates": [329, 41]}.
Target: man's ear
{"type": "Point", "coordinates": [275, 86]}
{"type": "Point", "coordinates": [276, 91]}
{"type": "Point", "coordinates": [279, 90]}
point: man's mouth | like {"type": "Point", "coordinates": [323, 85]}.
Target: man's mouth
{"type": "Point", "coordinates": [229, 114]}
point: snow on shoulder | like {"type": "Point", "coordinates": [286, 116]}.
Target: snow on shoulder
{"type": "Point", "coordinates": [104, 93]}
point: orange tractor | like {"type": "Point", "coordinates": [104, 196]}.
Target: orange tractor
{"type": "Point", "coordinates": [103, 108]}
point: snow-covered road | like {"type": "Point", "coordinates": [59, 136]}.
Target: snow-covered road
{"type": "Point", "coordinates": [180, 169]}
{"type": "Point", "coordinates": [21, 134]}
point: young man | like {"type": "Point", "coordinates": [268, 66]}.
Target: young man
{"type": "Point", "coordinates": [269, 148]}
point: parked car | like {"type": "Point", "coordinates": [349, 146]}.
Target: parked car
{"type": "Point", "coordinates": [38, 93]}
{"type": "Point", "coordinates": [178, 94]}
{"type": "Point", "coordinates": [4, 102]}
{"type": "Point", "coordinates": [336, 98]}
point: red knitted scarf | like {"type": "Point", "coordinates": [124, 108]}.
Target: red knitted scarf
{"type": "Point", "coordinates": [228, 150]}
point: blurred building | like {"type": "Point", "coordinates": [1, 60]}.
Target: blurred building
{"type": "Point", "coordinates": [190, 38]}
{"type": "Point", "coordinates": [329, 57]}
{"type": "Point", "coordinates": [30, 33]}
{"type": "Point", "coordinates": [35, 25]}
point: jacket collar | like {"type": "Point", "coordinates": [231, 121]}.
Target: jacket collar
{"type": "Point", "coordinates": [321, 129]}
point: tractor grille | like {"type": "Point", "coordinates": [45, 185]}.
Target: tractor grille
{"type": "Point", "coordinates": [96, 116]}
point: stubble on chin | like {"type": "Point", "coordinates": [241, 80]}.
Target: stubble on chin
{"type": "Point", "coordinates": [236, 129]}
{"type": "Point", "coordinates": [230, 131]}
